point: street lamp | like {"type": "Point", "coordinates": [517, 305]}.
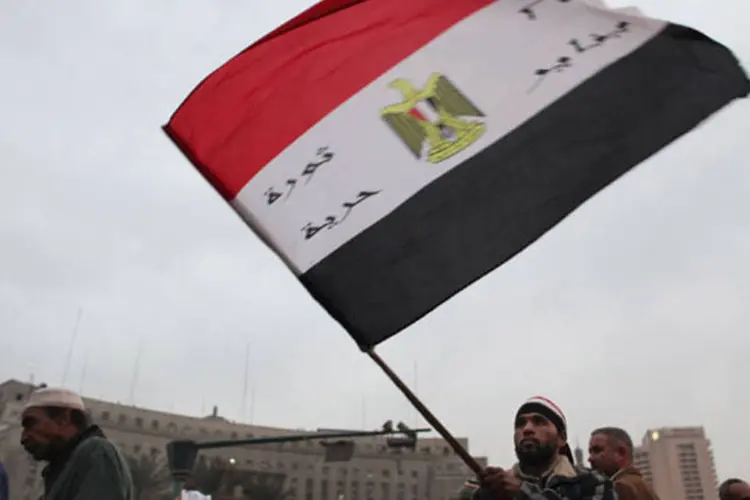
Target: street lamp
{"type": "Point", "coordinates": [182, 453]}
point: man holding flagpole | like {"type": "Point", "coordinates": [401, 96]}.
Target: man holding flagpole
{"type": "Point", "coordinates": [545, 463]}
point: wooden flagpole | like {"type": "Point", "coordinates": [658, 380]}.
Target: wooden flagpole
{"type": "Point", "coordinates": [427, 414]}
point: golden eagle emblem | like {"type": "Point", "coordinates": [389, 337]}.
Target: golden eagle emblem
{"type": "Point", "coordinates": [435, 115]}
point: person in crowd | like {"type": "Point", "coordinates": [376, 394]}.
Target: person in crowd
{"type": "Point", "coordinates": [611, 453]}
{"type": "Point", "coordinates": [4, 487]}
{"type": "Point", "coordinates": [734, 489]}
{"type": "Point", "coordinates": [467, 490]}
{"type": "Point", "coordinates": [81, 463]}
{"type": "Point", "coordinates": [545, 463]}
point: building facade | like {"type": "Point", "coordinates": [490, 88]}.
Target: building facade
{"type": "Point", "coordinates": [679, 463]}
{"type": "Point", "coordinates": [376, 472]}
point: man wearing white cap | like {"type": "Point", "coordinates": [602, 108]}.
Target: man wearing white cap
{"type": "Point", "coordinates": [81, 463]}
{"type": "Point", "coordinates": [545, 465]}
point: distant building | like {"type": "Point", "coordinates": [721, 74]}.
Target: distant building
{"type": "Point", "coordinates": [578, 454]}
{"type": "Point", "coordinates": [679, 463]}
{"type": "Point", "coordinates": [431, 472]}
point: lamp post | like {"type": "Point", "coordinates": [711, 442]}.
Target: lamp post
{"type": "Point", "coordinates": [181, 456]}
{"type": "Point", "coordinates": [183, 453]}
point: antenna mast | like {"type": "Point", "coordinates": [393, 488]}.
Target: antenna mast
{"type": "Point", "coordinates": [71, 345]}
{"type": "Point", "coordinates": [252, 401]}
{"type": "Point", "coordinates": [83, 375]}
{"type": "Point", "coordinates": [136, 369]}
{"type": "Point", "coordinates": [243, 412]}
{"type": "Point", "coordinates": [364, 412]}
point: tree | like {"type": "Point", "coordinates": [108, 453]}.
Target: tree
{"type": "Point", "coordinates": [260, 491]}
{"type": "Point", "coordinates": [210, 477]}
{"type": "Point", "coordinates": [220, 479]}
{"type": "Point", "coordinates": [258, 485]}
{"type": "Point", "coordinates": [151, 478]}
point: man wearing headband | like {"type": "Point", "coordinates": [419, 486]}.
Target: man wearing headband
{"type": "Point", "coordinates": [81, 463]}
{"type": "Point", "coordinates": [545, 464]}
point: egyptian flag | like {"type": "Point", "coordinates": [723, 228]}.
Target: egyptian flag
{"type": "Point", "coordinates": [393, 152]}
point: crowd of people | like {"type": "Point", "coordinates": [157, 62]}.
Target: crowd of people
{"type": "Point", "coordinates": [82, 464]}
{"type": "Point", "coordinates": [545, 469]}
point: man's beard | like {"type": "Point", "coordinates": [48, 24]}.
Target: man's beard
{"type": "Point", "coordinates": [535, 455]}
{"type": "Point", "coordinates": [46, 452]}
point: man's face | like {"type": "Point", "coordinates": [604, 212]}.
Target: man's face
{"type": "Point", "coordinates": [604, 456]}
{"type": "Point", "coordinates": [536, 438]}
{"type": "Point", "coordinates": [41, 436]}
{"type": "Point", "coordinates": [739, 491]}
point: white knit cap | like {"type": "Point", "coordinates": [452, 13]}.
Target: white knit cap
{"type": "Point", "coordinates": [549, 409]}
{"type": "Point", "coordinates": [60, 398]}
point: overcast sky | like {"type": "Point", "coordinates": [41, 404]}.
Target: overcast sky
{"type": "Point", "coordinates": [633, 312]}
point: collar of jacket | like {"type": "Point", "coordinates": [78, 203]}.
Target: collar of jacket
{"type": "Point", "coordinates": [62, 457]}
{"type": "Point", "coordinates": [626, 471]}
{"type": "Point", "coordinates": [560, 467]}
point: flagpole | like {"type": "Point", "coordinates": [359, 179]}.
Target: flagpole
{"type": "Point", "coordinates": [426, 413]}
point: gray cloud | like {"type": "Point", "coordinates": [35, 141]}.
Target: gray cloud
{"type": "Point", "coordinates": [632, 312]}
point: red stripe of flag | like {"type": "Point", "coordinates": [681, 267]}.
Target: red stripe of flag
{"type": "Point", "coordinates": [553, 405]}
{"type": "Point", "coordinates": [254, 106]}
{"type": "Point", "coordinates": [417, 114]}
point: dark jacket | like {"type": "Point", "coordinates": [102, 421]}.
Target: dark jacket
{"type": "Point", "coordinates": [562, 481]}
{"type": "Point", "coordinates": [630, 485]}
{"type": "Point", "coordinates": [4, 488]}
{"type": "Point", "coordinates": [91, 468]}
